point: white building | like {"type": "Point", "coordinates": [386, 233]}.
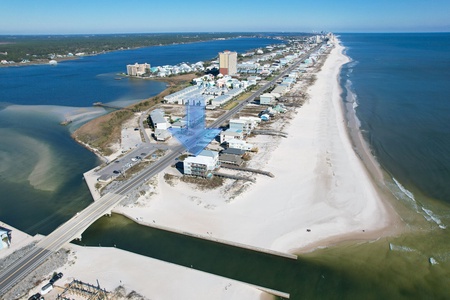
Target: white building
{"type": "Point", "coordinates": [280, 90]}
{"type": "Point", "coordinates": [202, 164]}
{"type": "Point", "coordinates": [266, 99]}
{"type": "Point", "coordinates": [230, 134]}
{"type": "Point", "coordinates": [189, 92]}
{"type": "Point", "coordinates": [158, 120]}
{"type": "Point", "coordinates": [237, 125]}
{"type": "Point", "coordinates": [162, 135]}
{"type": "Point", "coordinates": [239, 144]}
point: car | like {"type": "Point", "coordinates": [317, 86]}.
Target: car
{"type": "Point", "coordinates": [35, 297]}
{"type": "Point", "coordinates": [138, 157]}
{"type": "Point", "coordinates": [56, 277]}
{"type": "Point", "coordinates": [134, 159]}
{"type": "Point", "coordinates": [143, 154]}
{"type": "Point", "coordinates": [116, 161]}
{"type": "Point", "coordinates": [116, 172]}
{"type": "Point", "coordinates": [136, 129]}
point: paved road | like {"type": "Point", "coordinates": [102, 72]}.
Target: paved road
{"type": "Point", "coordinates": [74, 227]}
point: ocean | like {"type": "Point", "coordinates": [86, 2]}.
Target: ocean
{"type": "Point", "coordinates": [396, 86]}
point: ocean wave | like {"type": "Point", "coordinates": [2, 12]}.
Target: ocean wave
{"type": "Point", "coordinates": [433, 261]}
{"type": "Point", "coordinates": [427, 213]}
{"type": "Point", "coordinates": [430, 216]}
{"type": "Point", "coordinates": [409, 194]}
{"type": "Point", "coordinates": [393, 247]}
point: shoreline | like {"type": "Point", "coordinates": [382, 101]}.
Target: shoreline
{"type": "Point", "coordinates": [339, 214]}
{"type": "Point", "coordinates": [62, 59]}
{"type": "Point", "coordinates": [260, 217]}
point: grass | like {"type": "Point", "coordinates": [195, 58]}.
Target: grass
{"type": "Point", "coordinates": [204, 183]}
{"type": "Point", "coordinates": [230, 105]}
{"type": "Point", "coordinates": [101, 132]}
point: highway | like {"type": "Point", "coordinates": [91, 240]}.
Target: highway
{"type": "Point", "coordinates": [75, 226]}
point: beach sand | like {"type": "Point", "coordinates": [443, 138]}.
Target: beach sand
{"type": "Point", "coordinates": [321, 194]}
{"type": "Point", "coordinates": [149, 277]}
{"type": "Point", "coordinates": [321, 190]}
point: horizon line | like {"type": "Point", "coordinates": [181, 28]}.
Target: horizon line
{"type": "Point", "coordinates": [220, 32]}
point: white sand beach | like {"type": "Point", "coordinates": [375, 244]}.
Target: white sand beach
{"type": "Point", "coordinates": [149, 277]}
{"type": "Point", "coordinates": [321, 190]}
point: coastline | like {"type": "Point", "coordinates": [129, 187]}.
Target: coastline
{"type": "Point", "coordinates": [320, 203]}
{"type": "Point", "coordinates": [275, 214]}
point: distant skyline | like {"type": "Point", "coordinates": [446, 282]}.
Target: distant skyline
{"type": "Point", "coordinates": [133, 16]}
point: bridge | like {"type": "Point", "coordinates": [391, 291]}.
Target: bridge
{"type": "Point", "coordinates": [75, 226]}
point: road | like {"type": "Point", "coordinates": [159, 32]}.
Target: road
{"type": "Point", "coordinates": [74, 227]}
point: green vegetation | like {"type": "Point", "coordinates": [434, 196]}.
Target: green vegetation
{"type": "Point", "coordinates": [43, 47]}
{"type": "Point", "coordinates": [106, 131]}
{"type": "Point", "coordinates": [230, 105]}
{"type": "Point", "coordinates": [204, 183]}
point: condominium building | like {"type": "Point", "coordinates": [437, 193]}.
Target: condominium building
{"type": "Point", "coordinates": [138, 69]}
{"type": "Point", "coordinates": [201, 165]}
{"type": "Point", "coordinates": [228, 62]}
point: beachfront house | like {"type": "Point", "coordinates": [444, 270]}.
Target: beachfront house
{"type": "Point", "coordinates": [243, 125]}
{"type": "Point", "coordinates": [231, 134]}
{"type": "Point", "coordinates": [201, 165]}
{"type": "Point", "coordinates": [239, 144]}
{"type": "Point", "coordinates": [231, 156]}
{"type": "Point", "coordinates": [266, 99]}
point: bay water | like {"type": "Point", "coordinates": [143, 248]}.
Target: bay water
{"type": "Point", "coordinates": [41, 167]}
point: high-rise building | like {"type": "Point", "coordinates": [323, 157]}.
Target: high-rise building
{"type": "Point", "coordinates": [138, 69]}
{"type": "Point", "coordinates": [228, 62]}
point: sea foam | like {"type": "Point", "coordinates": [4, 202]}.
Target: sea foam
{"type": "Point", "coordinates": [404, 190]}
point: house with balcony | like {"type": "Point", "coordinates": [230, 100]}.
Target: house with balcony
{"type": "Point", "coordinates": [201, 165]}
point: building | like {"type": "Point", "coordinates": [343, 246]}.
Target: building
{"type": "Point", "coordinates": [201, 165]}
{"type": "Point", "coordinates": [230, 159]}
{"type": "Point", "coordinates": [242, 124]}
{"type": "Point", "coordinates": [228, 63]}
{"type": "Point", "coordinates": [266, 99]}
{"type": "Point", "coordinates": [138, 69]}
{"type": "Point", "coordinates": [187, 93]}
{"type": "Point", "coordinates": [5, 238]}
{"type": "Point", "coordinates": [157, 119]}
{"type": "Point", "coordinates": [231, 134]}
{"type": "Point", "coordinates": [239, 144]}
{"type": "Point", "coordinates": [162, 135]}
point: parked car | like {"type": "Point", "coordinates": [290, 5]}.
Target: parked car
{"type": "Point", "coordinates": [35, 297]}
{"type": "Point", "coordinates": [56, 277]}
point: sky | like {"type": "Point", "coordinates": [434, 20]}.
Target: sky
{"type": "Point", "coordinates": [139, 16]}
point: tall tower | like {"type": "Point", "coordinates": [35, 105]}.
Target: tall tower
{"type": "Point", "coordinates": [228, 62]}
